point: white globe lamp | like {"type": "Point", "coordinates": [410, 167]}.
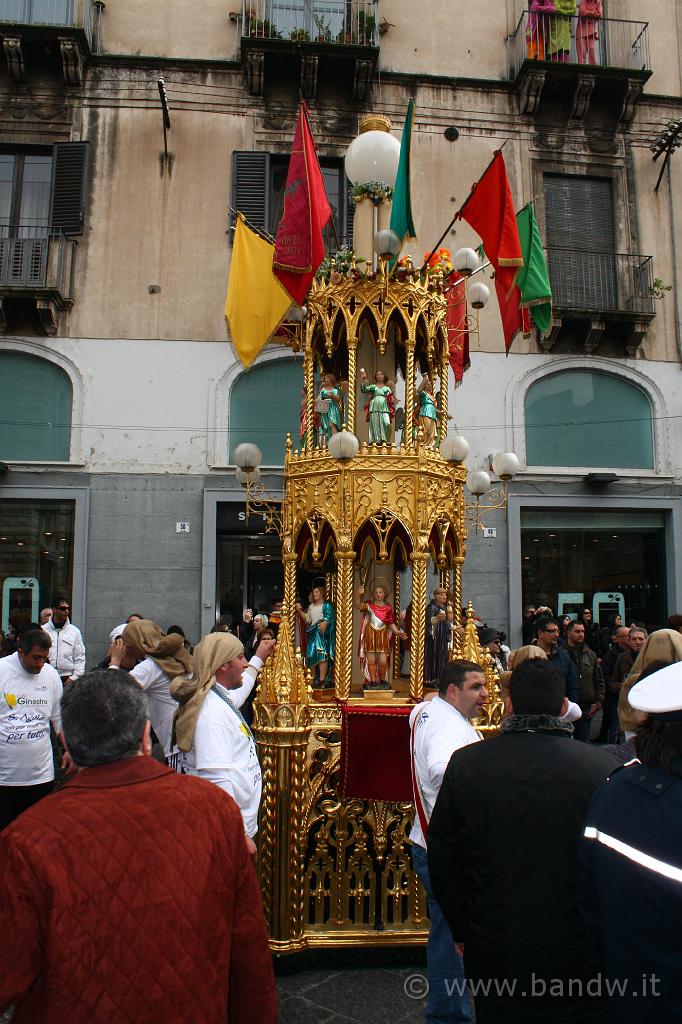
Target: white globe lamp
{"type": "Point", "coordinates": [374, 154]}
{"type": "Point", "coordinates": [343, 446]}
{"type": "Point", "coordinates": [247, 457]}
{"type": "Point", "coordinates": [454, 449]}
{"type": "Point", "coordinates": [478, 482]}
{"type": "Point", "coordinates": [466, 261]}
{"type": "Point", "coordinates": [506, 465]}
{"type": "Point", "coordinates": [478, 294]}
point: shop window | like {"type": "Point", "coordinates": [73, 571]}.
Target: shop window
{"type": "Point", "coordinates": [35, 409]}
{"type": "Point", "coordinates": [610, 562]}
{"type": "Point", "coordinates": [36, 557]}
{"type": "Point", "coordinates": [258, 181]}
{"type": "Point", "coordinates": [588, 419]}
{"type": "Point", "coordinates": [265, 405]}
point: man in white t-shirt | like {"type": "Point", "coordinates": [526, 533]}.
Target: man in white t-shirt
{"type": "Point", "coordinates": [30, 695]}
{"type": "Point", "coordinates": [439, 727]}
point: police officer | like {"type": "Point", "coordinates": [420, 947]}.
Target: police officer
{"type": "Point", "coordinates": [631, 862]}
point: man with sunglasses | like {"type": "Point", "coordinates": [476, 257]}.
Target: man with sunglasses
{"type": "Point", "coordinates": [67, 650]}
{"type": "Point", "coordinates": [547, 638]}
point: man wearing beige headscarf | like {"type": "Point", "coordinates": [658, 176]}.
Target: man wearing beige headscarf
{"type": "Point", "coordinates": [212, 738]}
{"type": "Point", "coordinates": [160, 658]}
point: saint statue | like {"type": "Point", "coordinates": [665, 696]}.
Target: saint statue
{"type": "Point", "coordinates": [427, 410]}
{"type": "Point", "coordinates": [329, 408]}
{"type": "Point", "coordinates": [320, 629]}
{"type": "Point", "coordinates": [380, 408]}
{"type": "Point", "coordinates": [438, 637]}
{"type": "Point", "coordinates": [376, 634]}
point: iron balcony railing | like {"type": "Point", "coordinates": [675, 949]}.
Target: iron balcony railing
{"type": "Point", "coordinates": [344, 22]}
{"type": "Point", "coordinates": [32, 256]}
{"type": "Point", "coordinates": [602, 282]}
{"type": "Point", "coordinates": [567, 39]}
{"type": "Point", "coordinates": [57, 13]}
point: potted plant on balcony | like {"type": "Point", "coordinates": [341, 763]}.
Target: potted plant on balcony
{"type": "Point", "coordinates": [300, 35]}
{"type": "Point", "coordinates": [324, 32]}
{"type": "Point", "coordinates": [367, 24]}
{"type": "Point", "coordinates": [261, 28]}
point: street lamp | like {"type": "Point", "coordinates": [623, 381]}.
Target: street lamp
{"type": "Point", "coordinates": [505, 465]}
{"type": "Point", "coordinates": [247, 458]}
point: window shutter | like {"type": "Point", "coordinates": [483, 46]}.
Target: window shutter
{"type": "Point", "coordinates": [250, 192]}
{"type": "Point", "coordinates": [69, 177]}
{"type": "Point", "coordinates": [580, 242]}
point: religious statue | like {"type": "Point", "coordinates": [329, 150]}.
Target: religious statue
{"type": "Point", "coordinates": [380, 408]}
{"type": "Point", "coordinates": [329, 408]}
{"type": "Point", "coordinates": [427, 410]}
{"type": "Point", "coordinates": [376, 634]}
{"type": "Point", "coordinates": [438, 636]}
{"type": "Point", "coordinates": [320, 629]}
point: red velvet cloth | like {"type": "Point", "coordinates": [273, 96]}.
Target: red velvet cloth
{"type": "Point", "coordinates": [375, 753]}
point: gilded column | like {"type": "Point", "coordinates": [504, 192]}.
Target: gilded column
{"type": "Point", "coordinates": [444, 378]}
{"type": "Point", "coordinates": [420, 560]}
{"type": "Point", "coordinates": [457, 587]}
{"type": "Point", "coordinates": [289, 560]}
{"type": "Point", "coordinates": [409, 390]}
{"type": "Point", "coordinates": [309, 385]}
{"type": "Point", "coordinates": [445, 579]}
{"type": "Point", "coordinates": [352, 378]}
{"type": "Point", "coordinates": [396, 639]}
{"type": "Point", "coordinates": [344, 624]}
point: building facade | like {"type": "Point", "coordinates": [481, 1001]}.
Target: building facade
{"type": "Point", "coordinates": [122, 400]}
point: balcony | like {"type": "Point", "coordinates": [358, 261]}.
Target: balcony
{"type": "Point", "coordinates": [600, 294]}
{"type": "Point", "coordinates": [25, 26]}
{"type": "Point", "coordinates": [36, 265]}
{"type": "Point", "coordinates": [339, 38]}
{"type": "Point", "coordinates": [572, 62]}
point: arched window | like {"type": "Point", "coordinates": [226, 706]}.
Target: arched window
{"type": "Point", "coordinates": [36, 398]}
{"type": "Point", "coordinates": [587, 418]}
{"type": "Point", "coordinates": [265, 405]}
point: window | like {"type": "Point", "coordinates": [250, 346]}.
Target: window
{"type": "Point", "coordinates": [39, 12]}
{"type": "Point", "coordinates": [35, 409]}
{"type": "Point", "coordinates": [36, 556]}
{"type": "Point", "coordinates": [265, 404]}
{"type": "Point", "coordinates": [584, 418]}
{"type": "Point", "coordinates": [258, 181]}
{"type": "Point", "coordinates": [580, 241]}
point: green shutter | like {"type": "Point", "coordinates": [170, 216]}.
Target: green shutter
{"type": "Point", "coordinates": [69, 179]}
{"type": "Point", "coordinates": [265, 405]}
{"type": "Point", "coordinates": [250, 187]}
{"type": "Point", "coordinates": [35, 409]}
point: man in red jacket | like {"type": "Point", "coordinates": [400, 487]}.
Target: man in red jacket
{"type": "Point", "coordinates": [129, 895]}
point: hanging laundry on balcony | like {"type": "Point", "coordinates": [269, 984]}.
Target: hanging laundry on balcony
{"type": "Point", "coordinates": [587, 32]}
{"type": "Point", "coordinates": [537, 29]}
{"type": "Point", "coordinates": [559, 42]}
{"type": "Point", "coordinates": [299, 246]}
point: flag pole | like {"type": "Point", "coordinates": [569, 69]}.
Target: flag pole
{"type": "Point", "coordinates": [256, 230]}
{"type": "Point", "coordinates": [459, 212]}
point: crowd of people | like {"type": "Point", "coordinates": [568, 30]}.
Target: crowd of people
{"type": "Point", "coordinates": [523, 846]}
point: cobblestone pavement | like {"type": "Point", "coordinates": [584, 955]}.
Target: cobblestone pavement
{"type": "Point", "coordinates": [319, 991]}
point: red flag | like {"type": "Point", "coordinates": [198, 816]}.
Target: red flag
{"type": "Point", "coordinates": [490, 212]}
{"type": "Point", "coordinates": [458, 335]}
{"type": "Point", "coordinates": [299, 247]}
{"type": "Point", "coordinates": [514, 319]}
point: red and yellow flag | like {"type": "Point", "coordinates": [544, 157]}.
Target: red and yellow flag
{"type": "Point", "coordinates": [458, 335]}
{"type": "Point", "coordinates": [299, 246]}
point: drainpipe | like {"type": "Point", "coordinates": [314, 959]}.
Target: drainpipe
{"type": "Point", "coordinates": [673, 244]}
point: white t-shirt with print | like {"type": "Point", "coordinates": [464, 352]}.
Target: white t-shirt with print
{"type": "Point", "coordinates": [162, 707]}
{"type": "Point", "coordinates": [28, 703]}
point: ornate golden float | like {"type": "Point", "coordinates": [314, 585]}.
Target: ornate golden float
{"type": "Point", "coordinates": [336, 870]}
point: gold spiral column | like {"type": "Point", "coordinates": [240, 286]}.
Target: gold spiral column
{"type": "Point", "coordinates": [420, 560]}
{"type": "Point", "coordinates": [352, 378]}
{"type": "Point", "coordinates": [290, 613]}
{"type": "Point", "coordinates": [444, 380]}
{"type": "Point", "coordinates": [309, 383]}
{"type": "Point", "coordinates": [457, 588]}
{"type": "Point", "coordinates": [396, 639]}
{"type": "Point", "coordinates": [344, 624]}
{"type": "Point", "coordinates": [408, 432]}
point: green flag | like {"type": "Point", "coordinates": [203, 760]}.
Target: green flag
{"type": "Point", "coordinates": [533, 279]}
{"type": "Point", "coordinates": [401, 212]}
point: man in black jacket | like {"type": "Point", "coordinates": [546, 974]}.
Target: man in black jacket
{"type": "Point", "coordinates": [502, 844]}
{"type": "Point", "coordinates": [590, 679]}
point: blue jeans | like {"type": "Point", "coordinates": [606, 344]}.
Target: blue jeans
{"type": "Point", "coordinates": [448, 1001]}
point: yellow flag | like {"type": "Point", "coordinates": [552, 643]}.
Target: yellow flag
{"type": "Point", "coordinates": [256, 302]}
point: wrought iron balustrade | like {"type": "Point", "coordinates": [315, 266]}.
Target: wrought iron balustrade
{"type": "Point", "coordinates": [341, 22]}
{"type": "Point", "coordinates": [55, 13]}
{"type": "Point", "coordinates": [587, 42]}
{"type": "Point", "coordinates": [32, 256]}
{"type": "Point", "coordinates": [602, 282]}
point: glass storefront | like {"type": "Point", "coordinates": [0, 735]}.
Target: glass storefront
{"type": "Point", "coordinates": [602, 560]}
{"type": "Point", "coordinates": [249, 564]}
{"type": "Point", "coordinates": [36, 556]}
